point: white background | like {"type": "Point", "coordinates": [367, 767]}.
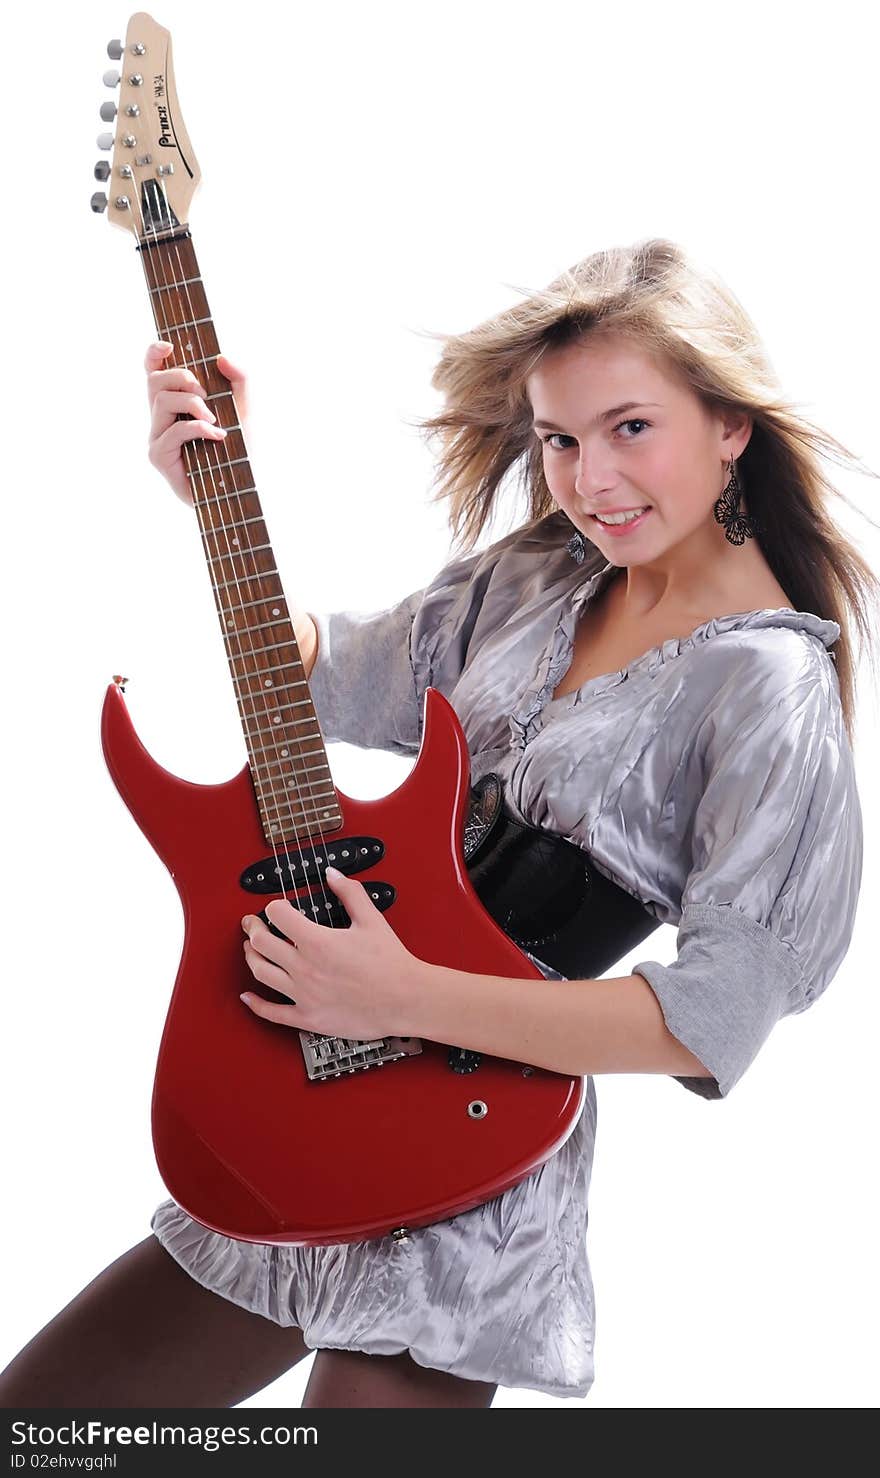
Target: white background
{"type": "Point", "coordinates": [371, 172]}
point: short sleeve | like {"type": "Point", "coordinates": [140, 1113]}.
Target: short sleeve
{"type": "Point", "coordinates": [775, 863]}
{"type": "Point", "coordinates": [371, 671]}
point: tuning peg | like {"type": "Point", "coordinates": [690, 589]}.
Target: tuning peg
{"type": "Point", "coordinates": [115, 49]}
{"type": "Point", "coordinates": [111, 78]}
{"type": "Point", "coordinates": [99, 201]}
{"type": "Point", "coordinates": [102, 170]}
{"type": "Point", "coordinates": [108, 112]}
{"type": "Point", "coordinates": [105, 141]}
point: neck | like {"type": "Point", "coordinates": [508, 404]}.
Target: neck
{"type": "Point", "coordinates": [288, 761]}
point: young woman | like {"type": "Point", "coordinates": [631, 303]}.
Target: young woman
{"type": "Point", "coordinates": [659, 664]}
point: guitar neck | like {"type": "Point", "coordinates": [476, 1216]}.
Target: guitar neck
{"type": "Point", "coordinates": [288, 760]}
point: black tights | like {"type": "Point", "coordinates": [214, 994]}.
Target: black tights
{"type": "Point", "coordinates": [146, 1334]}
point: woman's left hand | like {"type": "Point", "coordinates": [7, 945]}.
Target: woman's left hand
{"type": "Point", "coordinates": [358, 981]}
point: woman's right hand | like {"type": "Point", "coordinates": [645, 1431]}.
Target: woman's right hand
{"type": "Point", "coordinates": [172, 391]}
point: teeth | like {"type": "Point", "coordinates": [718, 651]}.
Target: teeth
{"type": "Point", "coordinates": [621, 517]}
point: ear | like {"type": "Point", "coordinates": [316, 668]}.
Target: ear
{"type": "Point", "coordinates": [737, 432]}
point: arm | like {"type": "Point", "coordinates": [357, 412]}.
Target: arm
{"type": "Point", "coordinates": [576, 1027]}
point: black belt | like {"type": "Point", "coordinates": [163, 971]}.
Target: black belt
{"type": "Point", "coordinates": [544, 892]}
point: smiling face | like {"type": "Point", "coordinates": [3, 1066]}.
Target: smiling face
{"type": "Point", "coordinates": [627, 432]}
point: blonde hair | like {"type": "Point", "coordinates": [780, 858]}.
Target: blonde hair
{"type": "Point", "coordinates": [680, 310]}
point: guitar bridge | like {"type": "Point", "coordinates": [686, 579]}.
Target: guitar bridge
{"type": "Point", "coordinates": [335, 1057]}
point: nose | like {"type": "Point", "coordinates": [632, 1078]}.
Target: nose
{"type": "Point", "coordinates": [591, 476]}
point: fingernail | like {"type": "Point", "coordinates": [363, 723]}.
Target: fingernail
{"type": "Point", "coordinates": [332, 872]}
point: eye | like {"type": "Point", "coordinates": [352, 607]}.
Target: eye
{"type": "Point", "coordinates": [553, 435]}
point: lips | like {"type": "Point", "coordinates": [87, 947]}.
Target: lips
{"type": "Point", "coordinates": [616, 529]}
{"type": "Point", "coordinates": [609, 512]}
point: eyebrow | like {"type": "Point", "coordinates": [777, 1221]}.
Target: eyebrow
{"type": "Point", "coordinates": [628, 405]}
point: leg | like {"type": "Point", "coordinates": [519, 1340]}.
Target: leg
{"type": "Point", "coordinates": [352, 1378]}
{"type": "Point", "coordinates": [144, 1333]}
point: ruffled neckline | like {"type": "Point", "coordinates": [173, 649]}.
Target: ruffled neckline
{"type": "Point", "coordinates": [807, 621]}
{"type": "Point", "coordinates": [538, 698]}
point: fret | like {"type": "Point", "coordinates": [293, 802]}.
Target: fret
{"type": "Point", "coordinates": [234, 427]}
{"type": "Point", "coordinates": [307, 769]}
{"type": "Point", "coordinates": [218, 394]}
{"type": "Point", "coordinates": [238, 523]}
{"type": "Point", "coordinates": [305, 802]}
{"type": "Point", "coordinates": [252, 726]}
{"type": "Point", "coordinates": [194, 323]}
{"type": "Point", "coordinates": [167, 287]}
{"type": "Point", "coordinates": [222, 497]}
{"type": "Point", "coordinates": [316, 796]}
{"type": "Point", "coordinates": [268, 647]}
{"type": "Point", "coordinates": [255, 575]}
{"type": "Point", "coordinates": [263, 599]}
{"type": "Point", "coordinates": [285, 667]}
{"type": "Point", "coordinates": [231, 553]}
{"type": "Point", "coordinates": [280, 688]}
{"type": "Point", "coordinates": [210, 359]}
{"type": "Point", "coordinates": [270, 749]}
{"type": "Point", "coordinates": [293, 723]}
{"type": "Point", "coordinates": [218, 467]}
{"type": "Point", "coordinates": [261, 626]}
{"type": "Point", "coordinates": [289, 723]}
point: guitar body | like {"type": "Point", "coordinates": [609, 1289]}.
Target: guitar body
{"type": "Point", "coordinates": [246, 1141]}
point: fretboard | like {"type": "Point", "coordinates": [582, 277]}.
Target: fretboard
{"type": "Point", "coordinates": [288, 761]}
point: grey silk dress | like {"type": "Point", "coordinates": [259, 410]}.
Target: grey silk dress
{"type": "Point", "coordinates": [712, 778]}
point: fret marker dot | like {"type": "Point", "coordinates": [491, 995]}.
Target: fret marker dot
{"type": "Point", "coordinates": [285, 753]}
{"type": "Point", "coordinates": [235, 541]}
{"type": "Point", "coordinates": [276, 611]}
{"type": "Point", "coordinates": [267, 683]}
{"type": "Point", "coordinates": [276, 719]}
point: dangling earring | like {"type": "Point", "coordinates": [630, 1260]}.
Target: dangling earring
{"type": "Point", "coordinates": [576, 547]}
{"type": "Point", "coordinates": [737, 526]}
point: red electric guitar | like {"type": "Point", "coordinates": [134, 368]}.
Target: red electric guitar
{"type": "Point", "coordinates": [263, 1132]}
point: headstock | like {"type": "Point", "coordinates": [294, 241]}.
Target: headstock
{"type": "Point", "coordinates": [153, 171]}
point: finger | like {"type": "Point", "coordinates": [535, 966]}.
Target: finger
{"type": "Point", "coordinates": [172, 401]}
{"type": "Point", "coordinates": [230, 370]}
{"type": "Point", "coordinates": [157, 354]}
{"type": "Point", "coordinates": [279, 953]}
{"type": "Point", "coordinates": [164, 449]}
{"type": "Point", "coordinates": [238, 381]}
{"type": "Point", "coordinates": [284, 1015]}
{"type": "Point", "coordinates": [292, 922]}
{"type": "Point", "coordinates": [266, 971]}
{"type": "Point", "coordinates": [352, 894]}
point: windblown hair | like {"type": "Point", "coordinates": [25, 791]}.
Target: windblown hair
{"type": "Point", "coordinates": [679, 310]}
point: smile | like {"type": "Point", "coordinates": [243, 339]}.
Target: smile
{"type": "Point", "coordinates": [622, 528]}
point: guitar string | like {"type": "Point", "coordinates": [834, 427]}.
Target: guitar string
{"type": "Point", "coordinates": [223, 529]}
{"type": "Point", "coordinates": [231, 555]}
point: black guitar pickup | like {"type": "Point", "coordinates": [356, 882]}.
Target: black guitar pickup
{"type": "Point", "coordinates": [329, 910]}
{"type": "Point", "coordinates": [306, 865]}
